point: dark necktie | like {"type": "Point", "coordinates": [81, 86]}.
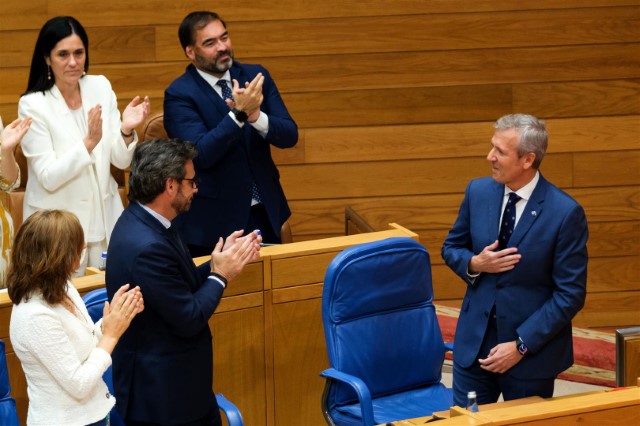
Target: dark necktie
{"type": "Point", "coordinates": [508, 220]}
{"type": "Point", "coordinates": [226, 91]}
{"type": "Point", "coordinates": [227, 94]}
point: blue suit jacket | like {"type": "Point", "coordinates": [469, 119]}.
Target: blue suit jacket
{"type": "Point", "coordinates": [230, 158]}
{"type": "Point", "coordinates": [538, 298]}
{"type": "Point", "coordinates": [162, 365]}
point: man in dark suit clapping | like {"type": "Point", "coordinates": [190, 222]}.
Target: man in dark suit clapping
{"type": "Point", "coordinates": [162, 367]}
{"type": "Point", "coordinates": [233, 113]}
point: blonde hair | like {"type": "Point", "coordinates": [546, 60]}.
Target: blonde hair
{"type": "Point", "coordinates": [46, 251]}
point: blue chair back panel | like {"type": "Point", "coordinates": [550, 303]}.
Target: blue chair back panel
{"type": "Point", "coordinates": [8, 410]}
{"type": "Point", "coordinates": [377, 276]}
{"type": "Point", "coordinates": [5, 387]}
{"type": "Point", "coordinates": [379, 320]}
{"type": "Point", "coordinates": [94, 301]}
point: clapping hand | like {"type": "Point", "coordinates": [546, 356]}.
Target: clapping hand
{"type": "Point", "coordinates": [249, 98]}
{"type": "Point", "coordinates": [13, 133]}
{"type": "Point", "coordinates": [118, 314]}
{"type": "Point", "coordinates": [229, 257]}
{"type": "Point", "coordinates": [94, 124]}
{"type": "Point", "coordinates": [135, 113]}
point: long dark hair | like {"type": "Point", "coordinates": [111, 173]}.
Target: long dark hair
{"type": "Point", "coordinates": [54, 30]}
{"type": "Point", "coordinates": [45, 253]}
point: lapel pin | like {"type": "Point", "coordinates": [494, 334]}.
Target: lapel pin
{"type": "Point", "coordinates": [534, 214]}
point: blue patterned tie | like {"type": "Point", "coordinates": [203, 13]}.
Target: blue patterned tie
{"type": "Point", "coordinates": [227, 94]}
{"type": "Point", "coordinates": [508, 220]}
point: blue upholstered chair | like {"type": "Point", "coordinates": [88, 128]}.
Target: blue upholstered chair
{"type": "Point", "coordinates": [8, 411]}
{"type": "Point", "coordinates": [383, 339]}
{"type": "Point", "coordinates": [94, 301]}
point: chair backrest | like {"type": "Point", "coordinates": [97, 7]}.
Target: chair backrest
{"type": "Point", "coordinates": [94, 301]}
{"type": "Point", "coordinates": [153, 127]}
{"type": "Point", "coordinates": [379, 320]}
{"type": "Point", "coordinates": [8, 410]}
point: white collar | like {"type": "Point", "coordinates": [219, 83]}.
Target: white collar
{"type": "Point", "coordinates": [212, 79]}
{"type": "Point", "coordinates": [526, 191]}
{"type": "Point", "coordinates": [163, 220]}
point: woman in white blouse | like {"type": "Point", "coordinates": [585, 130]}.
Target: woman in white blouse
{"type": "Point", "coordinates": [76, 135]}
{"type": "Point", "coordinates": [63, 353]}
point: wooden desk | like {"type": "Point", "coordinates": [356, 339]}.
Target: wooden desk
{"type": "Point", "coordinates": [269, 346]}
{"type": "Point", "coordinates": [607, 407]}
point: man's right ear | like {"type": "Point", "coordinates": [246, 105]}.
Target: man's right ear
{"type": "Point", "coordinates": [168, 184]}
{"type": "Point", "coordinates": [188, 51]}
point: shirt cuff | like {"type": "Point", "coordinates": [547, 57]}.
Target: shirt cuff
{"type": "Point", "coordinates": [216, 279]}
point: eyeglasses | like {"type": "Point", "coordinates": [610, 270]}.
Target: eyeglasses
{"type": "Point", "coordinates": [195, 182]}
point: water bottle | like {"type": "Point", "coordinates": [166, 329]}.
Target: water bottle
{"type": "Point", "coordinates": [103, 261]}
{"type": "Point", "coordinates": [472, 402]}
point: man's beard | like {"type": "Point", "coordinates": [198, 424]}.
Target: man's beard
{"type": "Point", "coordinates": [215, 67]}
{"type": "Point", "coordinates": [181, 203]}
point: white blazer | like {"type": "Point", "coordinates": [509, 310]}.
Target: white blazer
{"type": "Point", "coordinates": [61, 361]}
{"type": "Point", "coordinates": [57, 160]}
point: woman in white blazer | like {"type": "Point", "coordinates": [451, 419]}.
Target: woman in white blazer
{"type": "Point", "coordinates": [63, 353]}
{"type": "Point", "coordinates": [76, 135]}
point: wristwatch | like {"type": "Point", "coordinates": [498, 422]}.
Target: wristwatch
{"type": "Point", "coordinates": [241, 116]}
{"type": "Point", "coordinates": [522, 348]}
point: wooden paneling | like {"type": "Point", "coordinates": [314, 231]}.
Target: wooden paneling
{"type": "Point", "coordinates": [325, 110]}
{"type": "Point", "coordinates": [572, 99]}
{"type": "Point", "coordinates": [428, 141]}
{"type": "Point", "coordinates": [611, 309]}
{"type": "Point", "coordinates": [456, 31]}
{"type": "Point", "coordinates": [395, 102]}
{"type": "Point", "coordinates": [239, 346]}
{"type": "Point", "coordinates": [452, 68]}
{"type": "Point", "coordinates": [299, 357]}
{"type": "Point", "coordinates": [438, 211]}
{"type": "Point", "coordinates": [411, 177]}
{"type": "Point", "coordinates": [614, 169]}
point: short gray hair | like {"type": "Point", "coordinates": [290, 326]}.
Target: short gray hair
{"type": "Point", "coordinates": [533, 134]}
{"type": "Point", "coordinates": [154, 162]}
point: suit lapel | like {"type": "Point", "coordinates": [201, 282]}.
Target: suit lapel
{"type": "Point", "coordinates": [155, 224]}
{"type": "Point", "coordinates": [66, 120]}
{"type": "Point", "coordinates": [206, 89]}
{"type": "Point", "coordinates": [494, 209]}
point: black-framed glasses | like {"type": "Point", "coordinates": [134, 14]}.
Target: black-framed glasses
{"type": "Point", "coordinates": [195, 182]}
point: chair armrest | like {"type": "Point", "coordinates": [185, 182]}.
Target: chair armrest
{"type": "Point", "coordinates": [234, 418]}
{"type": "Point", "coordinates": [448, 346]}
{"type": "Point", "coordinates": [361, 389]}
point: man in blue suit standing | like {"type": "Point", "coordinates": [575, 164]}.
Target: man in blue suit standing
{"type": "Point", "coordinates": [233, 113]}
{"type": "Point", "coordinates": [525, 270]}
{"type": "Point", "coordinates": [163, 365]}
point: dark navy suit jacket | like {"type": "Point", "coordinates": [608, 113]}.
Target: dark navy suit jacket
{"type": "Point", "coordinates": [538, 298]}
{"type": "Point", "coordinates": [230, 158]}
{"type": "Point", "coordinates": [162, 365]}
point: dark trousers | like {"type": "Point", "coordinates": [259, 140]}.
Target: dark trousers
{"type": "Point", "coordinates": [488, 386]}
{"type": "Point", "coordinates": [258, 219]}
{"type": "Point", "coordinates": [212, 419]}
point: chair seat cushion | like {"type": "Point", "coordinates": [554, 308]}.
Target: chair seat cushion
{"type": "Point", "coordinates": [400, 406]}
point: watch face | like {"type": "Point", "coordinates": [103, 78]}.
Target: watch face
{"type": "Point", "coordinates": [522, 348]}
{"type": "Point", "coordinates": [241, 116]}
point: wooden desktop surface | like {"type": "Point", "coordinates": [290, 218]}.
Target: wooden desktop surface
{"type": "Point", "coordinates": [606, 407]}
